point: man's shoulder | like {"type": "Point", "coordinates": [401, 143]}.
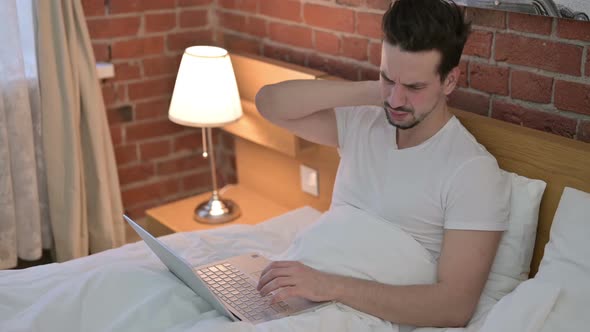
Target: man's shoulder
{"type": "Point", "coordinates": [463, 146]}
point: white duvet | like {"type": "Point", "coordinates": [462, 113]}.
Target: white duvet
{"type": "Point", "coordinates": [129, 289]}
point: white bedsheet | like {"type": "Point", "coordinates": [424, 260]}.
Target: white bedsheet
{"type": "Point", "coordinates": [129, 289]}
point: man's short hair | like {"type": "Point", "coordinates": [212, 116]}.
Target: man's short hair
{"type": "Point", "coordinates": [425, 25]}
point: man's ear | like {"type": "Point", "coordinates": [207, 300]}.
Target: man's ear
{"type": "Point", "coordinates": [451, 81]}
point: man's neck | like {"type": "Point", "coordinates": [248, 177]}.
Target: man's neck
{"type": "Point", "coordinates": [407, 138]}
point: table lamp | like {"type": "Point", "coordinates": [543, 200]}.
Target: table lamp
{"type": "Point", "coordinates": [206, 95]}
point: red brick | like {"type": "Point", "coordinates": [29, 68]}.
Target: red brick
{"type": "Point", "coordinates": [284, 9]}
{"type": "Point", "coordinates": [353, 3]}
{"type": "Point", "coordinates": [285, 54]}
{"type": "Point", "coordinates": [290, 34]}
{"type": "Point", "coordinates": [245, 24]}
{"type": "Point", "coordinates": [339, 19]}
{"type": "Point", "coordinates": [375, 53]}
{"type": "Point", "coordinates": [137, 48]}
{"type": "Point", "coordinates": [191, 141]}
{"type": "Point", "coordinates": [378, 4]}
{"type": "Point", "coordinates": [116, 135]}
{"type": "Point", "coordinates": [539, 53]}
{"type": "Point", "coordinates": [127, 6]}
{"type": "Point", "coordinates": [231, 21]}
{"type": "Point", "coordinates": [197, 181]}
{"type": "Point", "coordinates": [572, 29]}
{"type": "Point", "coordinates": [194, 18]}
{"type": "Point", "coordinates": [229, 4]}
{"type": "Point", "coordinates": [584, 131]}
{"type": "Point", "coordinates": [243, 5]}
{"type": "Point", "coordinates": [487, 18]}
{"type": "Point", "coordinates": [247, 5]}
{"type": "Point", "coordinates": [479, 44]}
{"type": "Point", "coordinates": [127, 71]}
{"type": "Point", "coordinates": [369, 24]}
{"type": "Point", "coordinates": [488, 78]}
{"type": "Point", "coordinates": [102, 52]}
{"type": "Point", "coordinates": [235, 43]}
{"type": "Point", "coordinates": [587, 62]}
{"type": "Point", "coordinates": [150, 192]}
{"type": "Point", "coordinates": [327, 42]}
{"type": "Point", "coordinates": [93, 7]}
{"type": "Point", "coordinates": [470, 101]}
{"type": "Point", "coordinates": [152, 109]}
{"type": "Point", "coordinates": [541, 25]}
{"type": "Point", "coordinates": [166, 65]}
{"type": "Point", "coordinates": [180, 41]}
{"type": "Point", "coordinates": [160, 22]}
{"type": "Point", "coordinates": [135, 173]}
{"type": "Point", "coordinates": [255, 26]}
{"type": "Point", "coordinates": [145, 130]}
{"type": "Point", "coordinates": [154, 150]}
{"type": "Point", "coordinates": [464, 67]}
{"type": "Point", "coordinates": [531, 118]}
{"type": "Point", "coordinates": [112, 117]}
{"type": "Point", "coordinates": [189, 3]}
{"type": "Point", "coordinates": [126, 154]}
{"type": "Point", "coordinates": [571, 96]}
{"type": "Point", "coordinates": [355, 48]}
{"type": "Point", "coordinates": [334, 67]}
{"type": "Point", "coordinates": [151, 88]}
{"type": "Point", "coordinates": [532, 87]}
{"type": "Point", "coordinates": [119, 115]}
{"type": "Point", "coordinates": [113, 94]}
{"type": "Point", "coordinates": [181, 164]}
{"type": "Point", "coordinates": [107, 28]}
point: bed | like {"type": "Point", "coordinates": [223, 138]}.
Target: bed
{"type": "Point", "coordinates": [128, 289]}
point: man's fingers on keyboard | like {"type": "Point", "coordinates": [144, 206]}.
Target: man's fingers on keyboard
{"type": "Point", "coordinates": [275, 284]}
{"type": "Point", "coordinates": [283, 294]}
{"type": "Point", "coordinates": [271, 274]}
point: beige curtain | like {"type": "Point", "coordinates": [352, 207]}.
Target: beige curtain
{"type": "Point", "coordinates": [84, 195]}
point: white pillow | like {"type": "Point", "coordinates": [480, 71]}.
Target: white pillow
{"type": "Point", "coordinates": [525, 309]}
{"type": "Point", "coordinates": [512, 263]}
{"type": "Point", "coordinates": [566, 262]}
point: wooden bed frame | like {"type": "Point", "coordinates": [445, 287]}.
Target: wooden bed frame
{"type": "Point", "coordinates": [268, 157]}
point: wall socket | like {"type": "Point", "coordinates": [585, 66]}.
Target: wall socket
{"type": "Point", "coordinates": [309, 180]}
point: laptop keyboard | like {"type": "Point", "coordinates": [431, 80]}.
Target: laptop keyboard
{"type": "Point", "coordinates": [237, 290]}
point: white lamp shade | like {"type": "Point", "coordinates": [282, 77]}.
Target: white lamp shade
{"type": "Point", "coordinates": [205, 93]}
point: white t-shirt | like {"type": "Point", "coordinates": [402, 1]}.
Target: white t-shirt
{"type": "Point", "coordinates": [448, 182]}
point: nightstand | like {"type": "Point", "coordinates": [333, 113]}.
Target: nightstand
{"type": "Point", "coordinates": [178, 216]}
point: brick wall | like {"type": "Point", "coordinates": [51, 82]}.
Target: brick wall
{"type": "Point", "coordinates": [158, 161]}
{"type": "Point", "coordinates": [529, 70]}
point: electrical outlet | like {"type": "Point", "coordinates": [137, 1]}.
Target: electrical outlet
{"type": "Point", "coordinates": [309, 180]}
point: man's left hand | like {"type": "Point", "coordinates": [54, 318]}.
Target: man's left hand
{"type": "Point", "coordinates": [294, 279]}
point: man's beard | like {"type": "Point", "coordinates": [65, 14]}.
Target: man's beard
{"type": "Point", "coordinates": [387, 107]}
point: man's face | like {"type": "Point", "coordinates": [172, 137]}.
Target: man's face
{"type": "Point", "coordinates": [410, 85]}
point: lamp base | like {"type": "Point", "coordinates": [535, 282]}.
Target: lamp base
{"type": "Point", "coordinates": [216, 211]}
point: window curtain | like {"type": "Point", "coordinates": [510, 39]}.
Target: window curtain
{"type": "Point", "coordinates": [24, 219]}
{"type": "Point", "coordinates": [83, 187]}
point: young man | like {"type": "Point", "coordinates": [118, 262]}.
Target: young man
{"type": "Point", "coordinates": [405, 157]}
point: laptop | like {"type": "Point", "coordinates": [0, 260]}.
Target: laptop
{"type": "Point", "coordinates": [228, 285]}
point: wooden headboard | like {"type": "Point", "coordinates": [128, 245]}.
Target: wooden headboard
{"type": "Point", "coordinates": [268, 157]}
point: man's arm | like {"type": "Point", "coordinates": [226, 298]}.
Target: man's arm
{"type": "Point", "coordinates": [463, 269]}
{"type": "Point", "coordinates": [306, 107]}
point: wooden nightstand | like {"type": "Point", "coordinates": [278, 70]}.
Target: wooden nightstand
{"type": "Point", "coordinates": [178, 216]}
